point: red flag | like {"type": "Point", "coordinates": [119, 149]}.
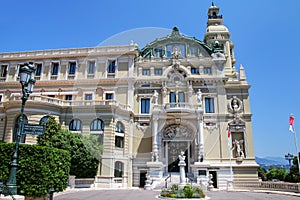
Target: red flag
{"type": "Point", "coordinates": [229, 137]}
{"type": "Point", "coordinates": [292, 123]}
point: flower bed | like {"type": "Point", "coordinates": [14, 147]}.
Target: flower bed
{"type": "Point", "coordinates": [187, 192]}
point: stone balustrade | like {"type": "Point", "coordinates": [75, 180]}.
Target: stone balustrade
{"type": "Point", "coordinates": [264, 185]}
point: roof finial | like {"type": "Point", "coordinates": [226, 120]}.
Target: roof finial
{"type": "Point", "coordinates": [212, 3]}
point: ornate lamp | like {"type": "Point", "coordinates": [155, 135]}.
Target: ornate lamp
{"type": "Point", "coordinates": [26, 73]}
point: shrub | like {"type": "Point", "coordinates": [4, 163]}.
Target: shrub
{"type": "Point", "coordinates": [174, 188]}
{"type": "Point", "coordinates": [39, 168]}
{"type": "Point", "coordinates": [188, 191]}
{"type": "Point", "coordinates": [85, 150]}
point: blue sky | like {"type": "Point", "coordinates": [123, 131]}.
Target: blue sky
{"type": "Point", "coordinates": [265, 34]}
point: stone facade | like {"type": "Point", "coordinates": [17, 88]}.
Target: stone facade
{"type": "Point", "coordinates": [176, 94]}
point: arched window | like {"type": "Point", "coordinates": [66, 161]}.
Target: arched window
{"type": "Point", "coordinates": [97, 125]}
{"type": "Point", "coordinates": [118, 169]}
{"type": "Point", "coordinates": [120, 127]}
{"type": "Point", "coordinates": [17, 125]}
{"type": "Point", "coordinates": [75, 125]}
{"type": "Point", "coordinates": [44, 120]}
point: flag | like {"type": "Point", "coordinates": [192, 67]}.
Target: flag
{"type": "Point", "coordinates": [292, 123]}
{"type": "Point", "coordinates": [229, 137]}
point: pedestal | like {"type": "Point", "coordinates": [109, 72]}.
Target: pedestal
{"type": "Point", "coordinates": [182, 174]}
{"type": "Point", "coordinates": [155, 174]}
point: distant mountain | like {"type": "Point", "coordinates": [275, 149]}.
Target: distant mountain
{"type": "Point", "coordinates": [268, 161]}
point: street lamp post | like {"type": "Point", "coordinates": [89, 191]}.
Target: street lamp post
{"type": "Point", "coordinates": [289, 157]}
{"type": "Point", "coordinates": [26, 74]}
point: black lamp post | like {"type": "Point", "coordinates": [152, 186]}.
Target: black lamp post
{"type": "Point", "coordinates": [26, 74]}
{"type": "Point", "coordinates": [289, 157]}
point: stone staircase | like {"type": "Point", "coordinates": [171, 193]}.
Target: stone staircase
{"type": "Point", "coordinates": [174, 178]}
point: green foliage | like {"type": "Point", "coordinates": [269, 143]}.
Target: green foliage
{"type": "Point", "coordinates": [85, 150]}
{"type": "Point", "coordinates": [52, 128]}
{"type": "Point", "coordinates": [187, 192]}
{"type": "Point", "coordinates": [174, 188]}
{"type": "Point", "coordinates": [276, 173]}
{"type": "Point", "coordinates": [262, 173]}
{"type": "Point", "coordinates": [293, 176]}
{"type": "Point", "coordinates": [39, 169]}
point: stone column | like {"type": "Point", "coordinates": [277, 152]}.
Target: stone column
{"type": "Point", "coordinates": [201, 139]}
{"type": "Point", "coordinates": [155, 157]}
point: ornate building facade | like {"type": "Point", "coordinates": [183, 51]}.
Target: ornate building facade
{"type": "Point", "coordinates": [146, 106]}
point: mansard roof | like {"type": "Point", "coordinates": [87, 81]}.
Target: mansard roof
{"type": "Point", "coordinates": [177, 38]}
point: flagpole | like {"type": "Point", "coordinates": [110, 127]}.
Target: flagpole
{"type": "Point", "coordinates": [231, 177]}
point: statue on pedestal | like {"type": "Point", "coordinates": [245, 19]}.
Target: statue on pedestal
{"type": "Point", "coordinates": [182, 165]}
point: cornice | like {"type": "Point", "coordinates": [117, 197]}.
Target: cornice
{"type": "Point", "coordinates": [69, 53]}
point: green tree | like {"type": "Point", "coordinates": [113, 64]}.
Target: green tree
{"type": "Point", "coordinates": [85, 150]}
{"type": "Point", "coordinates": [52, 128]}
{"type": "Point", "coordinates": [39, 168]}
{"type": "Point", "coordinates": [293, 176]}
{"type": "Point", "coordinates": [276, 173]}
{"type": "Point", "coordinates": [262, 173]}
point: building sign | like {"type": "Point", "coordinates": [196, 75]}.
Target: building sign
{"type": "Point", "coordinates": [33, 129]}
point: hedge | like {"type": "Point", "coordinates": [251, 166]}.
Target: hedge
{"type": "Point", "coordinates": [39, 168]}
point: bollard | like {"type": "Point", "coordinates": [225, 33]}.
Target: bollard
{"type": "Point", "coordinates": [51, 192]}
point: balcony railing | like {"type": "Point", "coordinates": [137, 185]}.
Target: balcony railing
{"type": "Point", "coordinates": [179, 107]}
{"type": "Point", "coordinates": [264, 185]}
{"type": "Point", "coordinates": [61, 102]}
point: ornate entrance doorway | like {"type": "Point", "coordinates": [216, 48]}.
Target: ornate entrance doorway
{"type": "Point", "coordinates": [178, 138]}
{"type": "Point", "coordinates": [174, 149]}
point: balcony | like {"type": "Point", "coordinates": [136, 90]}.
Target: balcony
{"type": "Point", "coordinates": [177, 107]}
{"type": "Point", "coordinates": [72, 103]}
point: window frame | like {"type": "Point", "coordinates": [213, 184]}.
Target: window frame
{"type": "Point", "coordinates": [120, 128]}
{"type": "Point", "coordinates": [54, 65]}
{"type": "Point", "coordinates": [72, 67]}
{"type": "Point", "coordinates": [146, 72]}
{"type": "Point", "coordinates": [195, 70]}
{"type": "Point", "coordinates": [111, 68]}
{"type": "Point", "coordinates": [207, 70]}
{"type": "Point", "coordinates": [93, 67]}
{"type": "Point", "coordinates": [4, 70]}
{"type": "Point", "coordinates": [144, 100]}
{"type": "Point", "coordinates": [97, 125]}
{"type": "Point", "coordinates": [158, 71]}
{"type": "Point", "coordinates": [76, 128]}
{"type": "Point", "coordinates": [39, 68]}
{"type": "Point", "coordinates": [91, 95]}
{"type": "Point", "coordinates": [209, 104]}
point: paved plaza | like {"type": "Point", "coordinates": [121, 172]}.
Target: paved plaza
{"type": "Point", "coordinates": [139, 194]}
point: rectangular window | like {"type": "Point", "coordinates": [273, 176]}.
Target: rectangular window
{"type": "Point", "coordinates": [119, 141]}
{"type": "Point", "coordinates": [146, 72]}
{"type": "Point", "coordinates": [112, 66]}
{"type": "Point", "coordinates": [145, 106]}
{"type": "Point", "coordinates": [0, 98]}
{"type": "Point", "coordinates": [172, 97]}
{"type": "Point", "coordinates": [158, 53]}
{"type": "Point", "coordinates": [88, 97]}
{"type": "Point", "coordinates": [68, 97]}
{"type": "Point", "coordinates": [158, 71]}
{"type": "Point", "coordinates": [209, 105]}
{"type": "Point", "coordinates": [38, 70]}
{"type": "Point", "coordinates": [207, 70]}
{"type": "Point", "coordinates": [91, 69]}
{"type": "Point", "coordinates": [3, 71]}
{"type": "Point", "coordinates": [54, 70]}
{"type": "Point", "coordinates": [181, 97]}
{"type": "Point", "coordinates": [72, 67]}
{"type": "Point", "coordinates": [195, 70]}
{"type": "Point", "coordinates": [109, 96]}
